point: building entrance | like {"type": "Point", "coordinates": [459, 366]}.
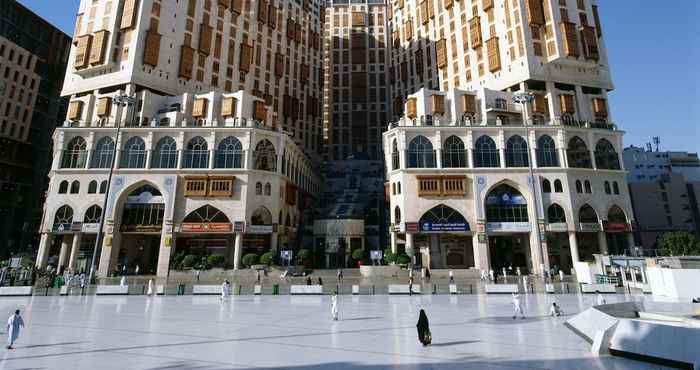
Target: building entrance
{"type": "Point", "coordinates": [512, 250]}
{"type": "Point", "coordinates": [138, 254]}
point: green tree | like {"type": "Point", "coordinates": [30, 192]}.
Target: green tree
{"type": "Point", "coordinates": [403, 259]}
{"type": "Point", "coordinates": [358, 254]}
{"type": "Point", "coordinates": [216, 260]}
{"type": "Point", "coordinates": [679, 243]}
{"type": "Point", "coordinates": [389, 256]}
{"type": "Point", "coordinates": [250, 259]}
{"type": "Point", "coordinates": [189, 261]}
{"type": "Point", "coordinates": [267, 258]}
{"type": "Point", "coordinates": [303, 256]}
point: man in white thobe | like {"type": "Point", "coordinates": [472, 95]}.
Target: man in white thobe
{"type": "Point", "coordinates": [225, 287]}
{"type": "Point", "coordinates": [123, 281]}
{"type": "Point", "coordinates": [150, 288]}
{"type": "Point", "coordinates": [14, 323]}
{"type": "Point", "coordinates": [599, 299]}
{"type": "Point", "coordinates": [491, 276]}
{"type": "Point", "coordinates": [334, 306]}
{"type": "Point", "coordinates": [517, 308]}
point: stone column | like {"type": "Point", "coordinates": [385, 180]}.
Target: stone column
{"type": "Point", "coordinates": [164, 252]}
{"type": "Point", "coordinates": [42, 256]}
{"type": "Point", "coordinates": [238, 249]}
{"type": "Point", "coordinates": [108, 257]}
{"type": "Point", "coordinates": [393, 241]}
{"type": "Point", "coordinates": [274, 242]}
{"type": "Point", "coordinates": [63, 254]}
{"type": "Point", "coordinates": [74, 251]}
{"type": "Point", "coordinates": [212, 155]}
{"type": "Point", "coordinates": [535, 252]}
{"type": "Point", "coordinates": [630, 241]}
{"type": "Point", "coordinates": [409, 247]}
{"type": "Point", "coordinates": [481, 253]}
{"type": "Point", "coordinates": [438, 158]}
{"type": "Point", "coordinates": [602, 243]}
{"type": "Point", "coordinates": [573, 246]}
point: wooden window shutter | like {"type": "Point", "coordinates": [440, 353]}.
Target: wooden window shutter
{"type": "Point", "coordinates": [389, 11]}
{"type": "Point", "coordinates": [411, 109]}
{"type": "Point", "coordinates": [475, 32]}
{"type": "Point", "coordinates": [75, 110]}
{"type": "Point", "coordinates": [304, 74]}
{"type": "Point", "coordinates": [494, 54]}
{"type": "Point", "coordinates": [399, 4]}
{"type": "Point", "coordinates": [448, 4]}
{"type": "Point", "coordinates": [441, 53]}
{"type": "Point", "coordinates": [186, 61]}
{"type": "Point", "coordinates": [152, 49]}
{"type": "Point", "coordinates": [272, 16]}
{"type": "Point", "coordinates": [358, 19]}
{"type": "Point", "coordinates": [438, 104]}
{"type": "Point", "coordinates": [279, 64]}
{"type": "Point", "coordinates": [404, 71]}
{"type": "Point", "coordinates": [590, 43]}
{"type": "Point", "coordinates": [431, 10]}
{"type": "Point", "coordinates": [259, 111]}
{"type": "Point", "coordinates": [82, 51]}
{"type": "Point", "coordinates": [246, 58]}
{"type": "Point", "coordinates": [290, 28]}
{"type": "Point", "coordinates": [262, 11]}
{"type": "Point", "coordinates": [418, 57]}
{"type": "Point", "coordinates": [600, 108]}
{"type": "Point", "coordinates": [408, 30]}
{"type": "Point", "coordinates": [570, 41]}
{"type": "Point", "coordinates": [535, 12]}
{"type": "Point", "coordinates": [228, 106]}
{"type": "Point", "coordinates": [424, 12]}
{"type": "Point", "coordinates": [469, 103]}
{"type": "Point", "coordinates": [297, 32]}
{"type": "Point", "coordinates": [103, 106]}
{"type": "Point", "coordinates": [128, 14]}
{"type": "Point", "coordinates": [539, 104]}
{"type": "Point", "coordinates": [200, 108]}
{"type": "Point", "coordinates": [237, 6]}
{"type": "Point", "coordinates": [596, 19]}
{"type": "Point", "coordinates": [397, 39]}
{"type": "Point", "coordinates": [225, 3]}
{"type": "Point", "coordinates": [487, 4]}
{"type": "Point", "coordinates": [205, 39]}
{"type": "Point", "coordinates": [567, 103]}
{"type": "Point", "coordinates": [99, 47]}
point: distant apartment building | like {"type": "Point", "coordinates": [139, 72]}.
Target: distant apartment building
{"type": "Point", "coordinates": [33, 58]}
{"type": "Point", "coordinates": [664, 187]}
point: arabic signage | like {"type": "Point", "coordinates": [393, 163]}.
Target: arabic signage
{"type": "Point", "coordinates": [90, 228]}
{"type": "Point", "coordinates": [616, 227]}
{"type": "Point", "coordinates": [557, 227]}
{"type": "Point", "coordinates": [505, 199]}
{"type": "Point", "coordinates": [508, 226]}
{"type": "Point", "coordinates": [411, 227]}
{"type": "Point", "coordinates": [61, 228]}
{"type": "Point", "coordinates": [443, 227]}
{"type": "Point", "coordinates": [141, 228]}
{"type": "Point", "coordinates": [208, 227]}
{"type": "Point", "coordinates": [259, 229]}
{"type": "Point", "coordinates": [589, 226]}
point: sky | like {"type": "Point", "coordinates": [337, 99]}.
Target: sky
{"type": "Point", "coordinates": [654, 55]}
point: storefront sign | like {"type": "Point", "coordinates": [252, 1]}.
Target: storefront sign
{"type": "Point", "coordinates": [616, 227]}
{"type": "Point", "coordinates": [90, 228]}
{"type": "Point", "coordinates": [76, 226]}
{"type": "Point", "coordinates": [141, 228]}
{"type": "Point", "coordinates": [61, 228]}
{"type": "Point", "coordinates": [259, 229]}
{"type": "Point", "coordinates": [557, 227]}
{"type": "Point", "coordinates": [434, 227]}
{"type": "Point", "coordinates": [239, 226]}
{"type": "Point", "coordinates": [506, 199]}
{"type": "Point", "coordinates": [411, 227]}
{"type": "Point", "coordinates": [508, 226]}
{"type": "Point", "coordinates": [210, 227]}
{"type": "Point", "coordinates": [589, 226]}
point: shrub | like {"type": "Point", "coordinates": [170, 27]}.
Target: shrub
{"type": "Point", "coordinates": [303, 255]}
{"type": "Point", "coordinates": [250, 259]}
{"type": "Point", "coordinates": [679, 243]}
{"type": "Point", "coordinates": [216, 260]}
{"type": "Point", "coordinates": [267, 258]}
{"type": "Point", "coordinates": [403, 259]}
{"type": "Point", "coordinates": [176, 262]}
{"type": "Point", "coordinates": [189, 260]}
{"type": "Point", "coordinates": [389, 256]}
{"type": "Point", "coordinates": [358, 254]}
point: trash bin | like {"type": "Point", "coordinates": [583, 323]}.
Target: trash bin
{"type": "Point", "coordinates": [181, 289]}
{"type": "Point", "coordinates": [275, 289]}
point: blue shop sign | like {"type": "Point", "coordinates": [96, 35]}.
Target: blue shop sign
{"type": "Point", "coordinates": [443, 227]}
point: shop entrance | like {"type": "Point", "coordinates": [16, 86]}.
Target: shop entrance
{"type": "Point", "coordinates": [508, 251]}
{"type": "Point", "coordinates": [138, 254]}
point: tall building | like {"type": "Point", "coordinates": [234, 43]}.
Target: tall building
{"type": "Point", "coordinates": [664, 187]}
{"type": "Point", "coordinates": [33, 58]}
{"type": "Point", "coordinates": [475, 178]}
{"type": "Point", "coordinates": [214, 110]}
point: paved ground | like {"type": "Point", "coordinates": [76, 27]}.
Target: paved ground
{"type": "Point", "coordinates": [288, 332]}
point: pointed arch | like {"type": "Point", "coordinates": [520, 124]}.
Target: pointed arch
{"type": "Point", "coordinates": [486, 153]}
{"type": "Point", "coordinates": [92, 187]}
{"type": "Point", "coordinates": [547, 152]}
{"type": "Point", "coordinates": [505, 203]}
{"type": "Point", "coordinates": [206, 214]}
{"type": "Point", "coordinates": [606, 157]}
{"type": "Point", "coordinates": [558, 188]}
{"type": "Point", "coordinates": [165, 154]}
{"type": "Point", "coordinates": [196, 153]}
{"type": "Point", "coordinates": [103, 153]}
{"type": "Point", "coordinates": [397, 215]}
{"type": "Point", "coordinates": [75, 187]}
{"type": "Point", "coordinates": [454, 154]}
{"type": "Point", "coordinates": [93, 214]}
{"type": "Point", "coordinates": [577, 153]}
{"type": "Point", "coordinates": [555, 214]}
{"type": "Point", "coordinates": [586, 214]}
{"type": "Point", "coordinates": [75, 153]}
{"type": "Point", "coordinates": [133, 153]}
{"type": "Point", "coordinates": [265, 156]}
{"type": "Point", "coordinates": [616, 214]}
{"type": "Point", "coordinates": [421, 153]}
{"type": "Point", "coordinates": [443, 218]}
{"type": "Point", "coordinates": [261, 216]}
{"type": "Point", "coordinates": [516, 152]}
{"type": "Point", "coordinates": [229, 153]}
{"type": "Point", "coordinates": [63, 215]}
{"type": "Point", "coordinates": [63, 187]}
{"type": "Point", "coordinates": [546, 186]}
{"type": "Point", "coordinates": [394, 155]}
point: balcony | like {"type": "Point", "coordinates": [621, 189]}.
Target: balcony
{"type": "Point", "coordinates": [441, 186]}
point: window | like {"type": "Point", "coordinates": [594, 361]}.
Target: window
{"type": "Point", "coordinates": [103, 187]}
{"type": "Point", "coordinates": [516, 152]}
{"type": "Point", "coordinates": [579, 187]}
{"type": "Point", "coordinates": [397, 215]}
{"type": "Point", "coordinates": [617, 215]}
{"type": "Point", "coordinates": [606, 157]}
{"type": "Point", "coordinates": [616, 188]}
{"type": "Point", "coordinates": [103, 153]}
{"type": "Point", "coordinates": [92, 187]}
{"type": "Point", "coordinates": [64, 215]}
{"type": "Point", "coordinates": [506, 204]}
{"type": "Point", "coordinates": [587, 186]}
{"type": "Point", "coordinates": [606, 185]}
{"type": "Point", "coordinates": [501, 103]}
{"type": "Point", "coordinates": [454, 155]}
{"type": "Point", "coordinates": [393, 189]}
{"type": "Point", "coordinates": [93, 215]}
{"type": "Point", "coordinates": [421, 153]}
{"type": "Point", "coordinates": [197, 153]}
{"type": "Point", "coordinates": [75, 154]}
{"type": "Point", "coordinates": [63, 187]}
{"type": "Point", "coordinates": [258, 188]}
{"type": "Point", "coordinates": [265, 156]}
{"type": "Point", "coordinates": [75, 187]}
{"type": "Point", "coordinates": [546, 186]}
{"type": "Point", "coordinates": [485, 153]}
{"type": "Point", "coordinates": [546, 152]}
{"type": "Point", "coordinates": [555, 214]}
{"type": "Point", "coordinates": [165, 155]}
{"type": "Point", "coordinates": [578, 154]}
{"type": "Point", "coordinates": [587, 215]}
{"type": "Point", "coordinates": [134, 153]}
{"type": "Point", "coordinates": [229, 153]}
{"type": "Point", "coordinates": [398, 188]}
{"type": "Point", "coordinates": [268, 189]}
{"type": "Point", "coordinates": [557, 186]}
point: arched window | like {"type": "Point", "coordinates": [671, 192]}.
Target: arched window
{"type": "Point", "coordinates": [606, 185]}
{"type": "Point", "coordinates": [261, 216]}
{"type": "Point", "coordinates": [454, 155]}
{"type": "Point", "coordinates": [197, 153]}
{"type": "Point", "coordinates": [578, 154]}
{"type": "Point", "coordinates": [606, 157]}
{"type": "Point", "coordinates": [501, 103]}
{"type": "Point", "coordinates": [144, 207]}
{"type": "Point", "coordinates": [616, 215]}
{"type": "Point", "coordinates": [268, 189]}
{"type": "Point", "coordinates": [546, 186]}
{"type": "Point", "coordinates": [258, 188]}
{"type": "Point", "coordinates": [485, 153]}
{"type": "Point", "coordinates": [134, 153]}
{"type": "Point", "coordinates": [579, 187]}
{"type": "Point", "coordinates": [555, 214]}
{"type": "Point", "coordinates": [265, 156]}
{"type": "Point", "coordinates": [75, 187]}
{"type": "Point", "coordinates": [75, 154]}
{"type": "Point", "coordinates": [165, 155]}
{"type": "Point", "coordinates": [229, 153]}
{"type": "Point", "coordinates": [64, 216]}
{"type": "Point", "coordinates": [516, 152]}
{"type": "Point", "coordinates": [506, 204]}
{"type": "Point", "coordinates": [397, 215]}
{"type": "Point", "coordinates": [587, 215]}
{"type": "Point", "coordinates": [92, 187]}
{"type": "Point", "coordinates": [93, 214]}
{"type": "Point", "coordinates": [206, 214]}
{"type": "Point", "coordinates": [287, 221]}
{"type": "Point", "coordinates": [421, 153]}
{"type": "Point", "coordinates": [63, 187]}
{"type": "Point", "coordinates": [441, 214]}
{"type": "Point", "coordinates": [398, 187]}
{"type": "Point", "coordinates": [102, 155]}
{"type": "Point", "coordinates": [546, 152]}
{"type": "Point", "coordinates": [587, 186]}
{"type": "Point", "coordinates": [394, 155]}
{"type": "Point", "coordinates": [393, 188]}
{"type": "Point", "coordinates": [557, 186]}
{"type": "Point", "coordinates": [616, 188]}
{"type": "Point", "coordinates": [103, 187]}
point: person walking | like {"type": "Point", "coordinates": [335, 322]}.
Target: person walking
{"type": "Point", "coordinates": [320, 281]}
{"type": "Point", "coordinates": [257, 277]}
{"type": "Point", "coordinates": [452, 277]}
{"type": "Point", "coordinates": [308, 280]}
{"type": "Point", "coordinates": [198, 272]}
{"type": "Point", "coordinates": [492, 276]}
{"type": "Point", "coordinates": [82, 281]}
{"type": "Point", "coordinates": [123, 281]}
{"type": "Point", "coordinates": [555, 310]}
{"type": "Point", "coordinates": [423, 326]}
{"type": "Point", "coordinates": [427, 274]}
{"type": "Point", "coordinates": [14, 323]}
{"type": "Point", "coordinates": [149, 292]}
{"type": "Point", "coordinates": [517, 308]}
{"type": "Point", "coordinates": [334, 306]}
{"type": "Point", "coordinates": [225, 288]}
{"type": "Point", "coordinates": [410, 285]}
{"type": "Point", "coordinates": [340, 276]}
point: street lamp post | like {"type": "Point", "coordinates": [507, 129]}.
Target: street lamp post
{"type": "Point", "coordinates": [119, 101]}
{"type": "Point", "coordinates": [524, 98]}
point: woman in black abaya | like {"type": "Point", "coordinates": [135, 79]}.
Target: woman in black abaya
{"type": "Point", "coordinates": [424, 335]}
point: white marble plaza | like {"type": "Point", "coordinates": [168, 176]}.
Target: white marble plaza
{"type": "Point", "coordinates": [287, 332]}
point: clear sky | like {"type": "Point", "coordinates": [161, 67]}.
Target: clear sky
{"type": "Point", "coordinates": [654, 52]}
